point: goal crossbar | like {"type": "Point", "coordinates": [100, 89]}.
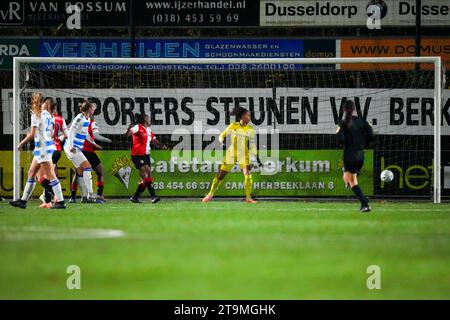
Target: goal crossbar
{"type": "Point", "coordinates": [430, 59]}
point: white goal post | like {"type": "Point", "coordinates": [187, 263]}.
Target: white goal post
{"type": "Point", "coordinates": [436, 61]}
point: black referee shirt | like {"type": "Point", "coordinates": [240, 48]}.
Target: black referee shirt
{"type": "Point", "coordinates": [356, 136]}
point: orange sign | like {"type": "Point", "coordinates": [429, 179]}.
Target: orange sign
{"type": "Point", "coordinates": [393, 48]}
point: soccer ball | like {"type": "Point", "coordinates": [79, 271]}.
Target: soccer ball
{"type": "Point", "coordinates": [387, 176]}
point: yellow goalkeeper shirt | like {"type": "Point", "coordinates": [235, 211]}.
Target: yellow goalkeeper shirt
{"type": "Point", "coordinates": [242, 143]}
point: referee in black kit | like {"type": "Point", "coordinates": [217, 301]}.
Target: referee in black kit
{"type": "Point", "coordinates": [352, 134]}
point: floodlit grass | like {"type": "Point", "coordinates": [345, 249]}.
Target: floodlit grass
{"type": "Point", "coordinates": [226, 250]}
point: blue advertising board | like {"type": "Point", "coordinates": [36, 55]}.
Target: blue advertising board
{"type": "Point", "coordinates": [182, 48]}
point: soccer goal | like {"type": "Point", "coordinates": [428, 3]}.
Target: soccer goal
{"type": "Point", "coordinates": [296, 105]}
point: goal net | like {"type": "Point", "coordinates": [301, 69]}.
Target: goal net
{"type": "Point", "coordinates": [295, 105]}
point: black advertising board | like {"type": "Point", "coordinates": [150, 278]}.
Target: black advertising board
{"type": "Point", "coordinates": [23, 13]}
{"type": "Point", "coordinates": [104, 14]}
{"type": "Point", "coordinates": [214, 13]}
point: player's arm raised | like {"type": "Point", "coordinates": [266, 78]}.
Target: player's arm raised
{"type": "Point", "coordinates": [130, 130]}
{"type": "Point", "coordinates": [132, 125]}
{"type": "Point", "coordinates": [158, 144]}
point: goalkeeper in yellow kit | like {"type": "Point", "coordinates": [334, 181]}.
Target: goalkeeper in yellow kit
{"type": "Point", "coordinates": [242, 151]}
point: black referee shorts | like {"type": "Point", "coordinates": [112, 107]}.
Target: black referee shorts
{"type": "Point", "coordinates": [353, 161]}
{"type": "Point", "coordinates": [93, 159]}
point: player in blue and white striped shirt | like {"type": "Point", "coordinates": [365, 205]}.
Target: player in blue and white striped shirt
{"type": "Point", "coordinates": [42, 126]}
{"type": "Point", "coordinates": [77, 134]}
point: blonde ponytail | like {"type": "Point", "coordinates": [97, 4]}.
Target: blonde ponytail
{"type": "Point", "coordinates": [36, 104]}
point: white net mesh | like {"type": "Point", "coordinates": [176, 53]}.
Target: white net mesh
{"type": "Point", "coordinates": [189, 105]}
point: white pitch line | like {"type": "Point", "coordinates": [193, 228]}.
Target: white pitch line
{"type": "Point", "coordinates": [373, 209]}
{"type": "Point", "coordinates": [350, 209]}
{"type": "Point", "coordinates": [54, 233]}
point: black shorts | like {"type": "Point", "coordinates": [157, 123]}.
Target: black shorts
{"type": "Point", "coordinates": [140, 161]}
{"type": "Point", "coordinates": [353, 161]}
{"type": "Point", "coordinates": [56, 156]}
{"type": "Point", "coordinates": [93, 159]}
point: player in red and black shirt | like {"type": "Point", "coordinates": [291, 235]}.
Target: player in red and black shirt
{"type": "Point", "coordinates": [59, 135]}
{"type": "Point", "coordinates": [89, 148]}
{"type": "Point", "coordinates": [140, 155]}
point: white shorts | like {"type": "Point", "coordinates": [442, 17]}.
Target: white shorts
{"type": "Point", "coordinates": [76, 158]}
{"type": "Point", "coordinates": [43, 158]}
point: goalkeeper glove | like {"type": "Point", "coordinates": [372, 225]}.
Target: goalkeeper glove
{"type": "Point", "coordinates": [255, 162]}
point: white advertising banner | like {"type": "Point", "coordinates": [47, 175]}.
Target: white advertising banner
{"type": "Point", "coordinates": [290, 110]}
{"type": "Point", "coordinates": [352, 13]}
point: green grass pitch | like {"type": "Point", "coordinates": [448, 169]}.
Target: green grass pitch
{"type": "Point", "coordinates": [181, 249]}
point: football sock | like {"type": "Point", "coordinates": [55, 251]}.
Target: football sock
{"type": "Point", "coordinates": [47, 190]}
{"type": "Point", "coordinates": [139, 190]}
{"type": "Point", "coordinates": [100, 185]}
{"type": "Point", "coordinates": [87, 178]}
{"type": "Point", "coordinates": [359, 193]}
{"type": "Point", "coordinates": [149, 185]}
{"type": "Point", "coordinates": [57, 190]}
{"type": "Point", "coordinates": [73, 189]}
{"type": "Point", "coordinates": [28, 190]}
{"type": "Point", "coordinates": [215, 184]}
{"type": "Point", "coordinates": [248, 184]}
{"type": "Point", "coordinates": [82, 185]}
